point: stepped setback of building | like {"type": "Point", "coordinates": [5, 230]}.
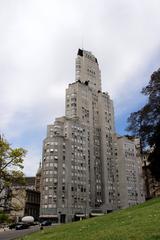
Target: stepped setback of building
{"type": "Point", "coordinates": [83, 160]}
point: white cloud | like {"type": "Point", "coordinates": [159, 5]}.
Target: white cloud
{"type": "Point", "coordinates": [38, 44]}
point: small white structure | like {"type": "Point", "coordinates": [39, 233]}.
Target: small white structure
{"type": "Point", "coordinates": [28, 219]}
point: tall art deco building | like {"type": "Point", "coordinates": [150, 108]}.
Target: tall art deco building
{"type": "Point", "coordinates": [79, 175]}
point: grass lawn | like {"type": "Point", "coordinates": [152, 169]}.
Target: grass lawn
{"type": "Point", "coordinates": [140, 222]}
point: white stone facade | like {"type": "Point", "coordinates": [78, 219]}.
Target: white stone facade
{"type": "Point", "coordinates": [79, 154]}
{"type": "Point", "coordinates": [129, 170]}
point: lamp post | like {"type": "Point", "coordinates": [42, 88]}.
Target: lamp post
{"type": "Point", "coordinates": [59, 217]}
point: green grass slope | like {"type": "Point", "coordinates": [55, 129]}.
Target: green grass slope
{"type": "Point", "coordinates": [140, 222]}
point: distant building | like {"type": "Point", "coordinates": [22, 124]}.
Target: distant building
{"type": "Point", "coordinates": [130, 182]}
{"type": "Point", "coordinates": [25, 200]}
{"type": "Point", "coordinates": [32, 204]}
{"type": "Point", "coordinates": [30, 183]}
{"type": "Point", "coordinates": [79, 168]}
{"type": "Point", "coordinates": [5, 199]}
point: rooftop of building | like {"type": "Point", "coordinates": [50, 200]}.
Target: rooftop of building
{"type": "Point", "coordinates": [88, 54]}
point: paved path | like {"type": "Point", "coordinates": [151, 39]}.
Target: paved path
{"type": "Point", "coordinates": [13, 234]}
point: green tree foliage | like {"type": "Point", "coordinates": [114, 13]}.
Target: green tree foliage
{"type": "Point", "coordinates": [145, 123]}
{"type": "Point", "coordinates": [3, 217]}
{"type": "Point", "coordinates": [11, 169]}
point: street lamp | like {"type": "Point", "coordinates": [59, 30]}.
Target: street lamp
{"type": "Point", "coordinates": [59, 217]}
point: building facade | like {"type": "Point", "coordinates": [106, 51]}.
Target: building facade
{"type": "Point", "coordinates": [129, 172]}
{"type": "Point", "coordinates": [25, 200]}
{"type": "Point", "coordinates": [78, 176]}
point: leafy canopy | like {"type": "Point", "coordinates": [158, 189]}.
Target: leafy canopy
{"type": "Point", "coordinates": [11, 167]}
{"type": "Point", "coordinates": [145, 123]}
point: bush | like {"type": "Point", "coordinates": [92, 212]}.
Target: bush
{"type": "Point", "coordinates": [3, 217]}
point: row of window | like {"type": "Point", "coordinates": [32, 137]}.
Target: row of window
{"type": "Point", "coordinates": [76, 167]}
{"type": "Point", "coordinates": [50, 165]}
{"type": "Point", "coordinates": [52, 179]}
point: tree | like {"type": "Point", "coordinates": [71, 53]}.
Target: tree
{"type": "Point", "coordinates": [145, 123]}
{"type": "Point", "coordinates": [11, 166]}
{"type": "Point", "coordinates": [4, 218]}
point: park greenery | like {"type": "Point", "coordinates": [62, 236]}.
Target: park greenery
{"type": "Point", "coordinates": [4, 218]}
{"type": "Point", "coordinates": [141, 222]}
{"type": "Point", "coordinates": [145, 123]}
{"type": "Point", "coordinates": [11, 171]}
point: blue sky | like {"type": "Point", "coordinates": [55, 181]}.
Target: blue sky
{"type": "Point", "coordinates": [38, 45]}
